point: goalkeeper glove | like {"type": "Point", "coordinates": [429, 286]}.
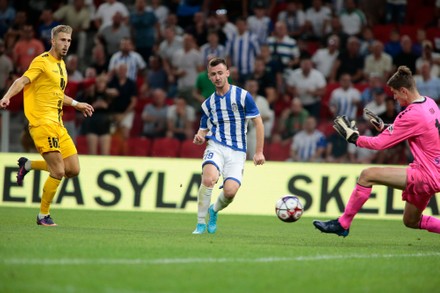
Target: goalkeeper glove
{"type": "Point", "coordinates": [375, 120]}
{"type": "Point", "coordinates": [346, 129]}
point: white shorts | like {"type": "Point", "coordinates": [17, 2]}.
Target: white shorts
{"type": "Point", "coordinates": [229, 162]}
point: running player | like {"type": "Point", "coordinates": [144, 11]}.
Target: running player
{"type": "Point", "coordinates": [225, 115]}
{"type": "Point", "coordinates": [43, 84]}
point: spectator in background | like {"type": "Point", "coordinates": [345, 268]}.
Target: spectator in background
{"type": "Point", "coordinates": [427, 84]}
{"type": "Point", "coordinates": [283, 48]}
{"type": "Point", "coordinates": [7, 16]}
{"type": "Point", "coordinates": [212, 25]}
{"type": "Point", "coordinates": [267, 115]}
{"type": "Point", "coordinates": [167, 48]}
{"type": "Point", "coordinates": [294, 19]}
{"type": "Point", "coordinates": [126, 55]}
{"type": "Point", "coordinates": [375, 81]}
{"type": "Point", "coordinates": [358, 155]}
{"type": "Point", "coordinates": [395, 11]}
{"type": "Point", "coordinates": [145, 29]}
{"type": "Point", "coordinates": [78, 16]}
{"type": "Point", "coordinates": [393, 46]}
{"type": "Point", "coordinates": [335, 28]}
{"type": "Point", "coordinates": [154, 115]}
{"type": "Point", "coordinates": [186, 10]}
{"type": "Point", "coordinates": [227, 27]}
{"type": "Point", "coordinates": [112, 35]}
{"type": "Point", "coordinates": [337, 149]}
{"type": "Point", "coordinates": [187, 63]}
{"type": "Point", "coordinates": [15, 31]}
{"type": "Point", "coordinates": [242, 50]}
{"type": "Point", "coordinates": [161, 11]}
{"type": "Point", "coordinates": [198, 29]}
{"type": "Point", "coordinates": [345, 99]}
{"type": "Point", "coordinates": [309, 144]}
{"type": "Point", "coordinates": [105, 12]}
{"type": "Point", "coordinates": [352, 19]}
{"type": "Point", "coordinates": [156, 75]}
{"type": "Point", "coordinates": [99, 59]}
{"type": "Point", "coordinates": [308, 84]}
{"type": "Point", "coordinates": [97, 128]}
{"type": "Point", "coordinates": [260, 24]}
{"type": "Point", "coordinates": [26, 49]}
{"type": "Point", "coordinates": [272, 66]}
{"type": "Point", "coordinates": [180, 120]}
{"type": "Point", "coordinates": [367, 40]}
{"type": "Point", "coordinates": [318, 19]}
{"type": "Point", "coordinates": [172, 22]}
{"type": "Point", "coordinates": [124, 93]}
{"type": "Point", "coordinates": [46, 24]}
{"type": "Point", "coordinates": [349, 61]}
{"type": "Point", "coordinates": [212, 48]}
{"type": "Point", "coordinates": [429, 56]}
{"type": "Point", "coordinates": [292, 119]}
{"type": "Point", "coordinates": [266, 81]}
{"type": "Point", "coordinates": [378, 62]}
{"type": "Point", "coordinates": [406, 57]}
{"type": "Point", "coordinates": [324, 58]}
{"type": "Point", "coordinates": [6, 67]}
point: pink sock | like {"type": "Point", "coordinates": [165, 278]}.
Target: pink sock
{"type": "Point", "coordinates": [430, 223]}
{"type": "Point", "coordinates": [357, 199]}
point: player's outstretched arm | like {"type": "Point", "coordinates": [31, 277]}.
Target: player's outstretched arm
{"type": "Point", "coordinates": [16, 87]}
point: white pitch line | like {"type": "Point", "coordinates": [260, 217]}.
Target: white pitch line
{"type": "Point", "coordinates": [173, 261]}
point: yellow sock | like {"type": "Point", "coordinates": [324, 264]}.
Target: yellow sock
{"type": "Point", "coordinates": [49, 190]}
{"type": "Point", "coordinates": [39, 165]}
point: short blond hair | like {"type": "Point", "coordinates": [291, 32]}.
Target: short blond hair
{"type": "Point", "coordinates": [61, 29]}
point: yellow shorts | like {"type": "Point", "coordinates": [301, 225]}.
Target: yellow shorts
{"type": "Point", "coordinates": [53, 138]}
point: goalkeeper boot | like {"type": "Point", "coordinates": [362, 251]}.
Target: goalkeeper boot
{"type": "Point", "coordinates": [46, 221]}
{"type": "Point", "coordinates": [332, 226]}
{"type": "Point", "coordinates": [212, 223]}
{"type": "Point", "coordinates": [21, 171]}
{"type": "Point", "coordinates": [200, 229]}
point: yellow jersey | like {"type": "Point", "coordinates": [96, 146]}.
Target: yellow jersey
{"type": "Point", "coordinates": [44, 95]}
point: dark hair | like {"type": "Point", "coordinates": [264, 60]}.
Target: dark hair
{"type": "Point", "coordinates": [216, 61]}
{"type": "Point", "coordinates": [402, 78]}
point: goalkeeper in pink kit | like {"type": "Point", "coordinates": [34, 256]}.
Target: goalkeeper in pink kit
{"type": "Point", "coordinates": [419, 124]}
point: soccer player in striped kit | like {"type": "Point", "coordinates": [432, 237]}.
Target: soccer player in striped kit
{"type": "Point", "coordinates": [419, 124]}
{"type": "Point", "coordinates": [223, 124]}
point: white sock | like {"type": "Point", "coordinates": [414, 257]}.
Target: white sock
{"type": "Point", "coordinates": [40, 215]}
{"type": "Point", "coordinates": [27, 165]}
{"type": "Point", "coordinates": [222, 202]}
{"type": "Point", "coordinates": [204, 200]}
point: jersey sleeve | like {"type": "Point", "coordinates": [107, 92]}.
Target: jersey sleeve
{"type": "Point", "coordinates": [250, 107]}
{"type": "Point", "coordinates": [35, 68]}
{"type": "Point", "coordinates": [405, 126]}
{"type": "Point", "coordinates": [204, 114]}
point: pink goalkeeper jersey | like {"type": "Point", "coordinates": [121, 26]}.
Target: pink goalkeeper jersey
{"type": "Point", "coordinates": [419, 123]}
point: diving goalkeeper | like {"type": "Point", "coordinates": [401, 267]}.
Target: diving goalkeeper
{"type": "Point", "coordinates": [419, 124]}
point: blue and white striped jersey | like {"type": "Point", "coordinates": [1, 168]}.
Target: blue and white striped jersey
{"type": "Point", "coordinates": [242, 49]}
{"type": "Point", "coordinates": [226, 117]}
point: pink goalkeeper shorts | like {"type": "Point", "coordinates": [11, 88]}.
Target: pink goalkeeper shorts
{"type": "Point", "coordinates": [420, 187]}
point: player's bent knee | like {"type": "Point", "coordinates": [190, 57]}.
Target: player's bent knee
{"type": "Point", "coordinates": [72, 173]}
{"type": "Point", "coordinates": [366, 176]}
{"type": "Point", "coordinates": [411, 223]}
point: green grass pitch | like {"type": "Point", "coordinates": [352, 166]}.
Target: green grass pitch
{"type": "Point", "coordinates": [109, 251]}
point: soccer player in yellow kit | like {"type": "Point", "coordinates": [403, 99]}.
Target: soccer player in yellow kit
{"type": "Point", "coordinates": [43, 84]}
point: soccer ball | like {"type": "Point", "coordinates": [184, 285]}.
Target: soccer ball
{"type": "Point", "coordinates": [288, 208]}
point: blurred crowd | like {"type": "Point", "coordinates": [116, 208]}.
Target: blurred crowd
{"type": "Point", "coordinates": [142, 65]}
